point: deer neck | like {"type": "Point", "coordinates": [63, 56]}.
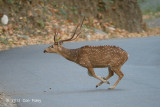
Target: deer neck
{"type": "Point", "coordinates": [70, 54]}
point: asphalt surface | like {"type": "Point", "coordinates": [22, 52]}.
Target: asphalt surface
{"type": "Point", "coordinates": [35, 79]}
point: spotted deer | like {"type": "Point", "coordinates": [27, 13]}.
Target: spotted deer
{"type": "Point", "coordinates": [92, 57]}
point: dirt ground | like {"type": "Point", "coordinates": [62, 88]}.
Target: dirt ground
{"type": "Point", "coordinates": [6, 101]}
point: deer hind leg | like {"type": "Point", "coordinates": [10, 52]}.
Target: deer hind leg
{"type": "Point", "coordinates": [90, 74]}
{"type": "Point", "coordinates": [91, 71]}
{"type": "Point", "coordinates": [111, 73]}
{"type": "Point", "coordinates": [120, 74]}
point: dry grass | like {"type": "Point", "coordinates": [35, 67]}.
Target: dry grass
{"type": "Point", "coordinates": [10, 37]}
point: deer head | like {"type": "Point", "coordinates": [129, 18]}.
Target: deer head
{"type": "Point", "coordinates": [57, 46]}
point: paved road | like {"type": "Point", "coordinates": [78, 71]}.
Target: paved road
{"type": "Point", "coordinates": [35, 79]}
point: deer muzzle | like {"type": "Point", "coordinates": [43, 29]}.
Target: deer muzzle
{"type": "Point", "coordinates": [45, 51]}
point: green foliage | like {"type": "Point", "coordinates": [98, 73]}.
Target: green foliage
{"type": "Point", "coordinates": [44, 10]}
{"type": "Point", "coordinates": [141, 1]}
{"type": "Point", "coordinates": [149, 6]}
{"type": "Point", "coordinates": [4, 40]}
{"type": "Point", "coordinates": [104, 4]}
{"type": "Point", "coordinates": [108, 1]}
{"type": "Point", "coordinates": [41, 23]}
{"type": "Point", "coordinates": [101, 6]}
{"type": "Point", "coordinates": [74, 9]}
{"type": "Point", "coordinates": [10, 1]}
{"type": "Point", "coordinates": [63, 12]}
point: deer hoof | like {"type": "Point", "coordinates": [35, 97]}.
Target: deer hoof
{"type": "Point", "coordinates": [104, 78]}
{"type": "Point", "coordinates": [96, 86]}
{"type": "Point", "coordinates": [111, 88]}
{"type": "Point", "coordinates": [107, 82]}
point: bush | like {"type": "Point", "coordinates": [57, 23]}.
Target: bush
{"type": "Point", "coordinates": [149, 6]}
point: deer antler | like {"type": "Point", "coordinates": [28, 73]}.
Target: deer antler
{"type": "Point", "coordinates": [73, 35]}
{"type": "Point", "coordinates": [55, 35]}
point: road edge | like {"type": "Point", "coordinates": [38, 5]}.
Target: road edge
{"type": "Point", "coordinates": [6, 101]}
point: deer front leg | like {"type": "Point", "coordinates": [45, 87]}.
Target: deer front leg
{"type": "Point", "coordinates": [111, 73]}
{"type": "Point", "coordinates": [91, 72]}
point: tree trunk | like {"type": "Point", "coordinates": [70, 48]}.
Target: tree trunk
{"type": "Point", "coordinates": [127, 15]}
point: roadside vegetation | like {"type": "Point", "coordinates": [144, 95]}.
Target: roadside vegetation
{"type": "Point", "coordinates": [35, 24]}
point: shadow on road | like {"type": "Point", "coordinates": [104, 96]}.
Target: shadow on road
{"type": "Point", "coordinates": [87, 91]}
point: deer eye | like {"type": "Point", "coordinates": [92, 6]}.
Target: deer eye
{"type": "Point", "coordinates": [50, 46]}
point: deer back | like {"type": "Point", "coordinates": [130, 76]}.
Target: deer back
{"type": "Point", "coordinates": [101, 56]}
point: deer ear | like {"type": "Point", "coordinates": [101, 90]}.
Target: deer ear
{"type": "Point", "coordinates": [60, 43]}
